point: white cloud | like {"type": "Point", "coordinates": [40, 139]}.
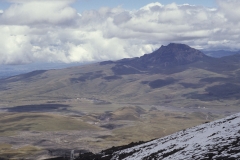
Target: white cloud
{"type": "Point", "coordinates": [152, 6]}
{"type": "Point", "coordinates": [14, 45]}
{"type": "Point", "coordinates": [39, 12]}
{"type": "Point", "coordinates": [231, 9]}
{"type": "Point", "coordinates": [58, 33]}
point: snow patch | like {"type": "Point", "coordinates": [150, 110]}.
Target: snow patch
{"type": "Point", "coordinates": [215, 140]}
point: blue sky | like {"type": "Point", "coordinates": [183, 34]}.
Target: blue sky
{"type": "Point", "coordinates": [82, 5]}
{"type": "Point", "coordinates": [97, 30]}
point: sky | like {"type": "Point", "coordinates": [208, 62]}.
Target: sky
{"type": "Point", "coordinates": [97, 30]}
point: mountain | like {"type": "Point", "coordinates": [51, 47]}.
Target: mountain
{"type": "Point", "coordinates": [215, 140]}
{"type": "Point", "coordinates": [171, 55]}
{"type": "Point", "coordinates": [165, 57]}
{"type": "Point", "coordinates": [173, 75]}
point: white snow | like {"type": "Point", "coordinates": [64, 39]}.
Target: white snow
{"type": "Point", "coordinates": [217, 139]}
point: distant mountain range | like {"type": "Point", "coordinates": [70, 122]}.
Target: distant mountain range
{"type": "Point", "coordinates": [187, 76]}
{"type": "Point", "coordinates": [12, 70]}
{"type": "Point", "coordinates": [215, 140]}
{"type": "Point", "coordinates": [219, 53]}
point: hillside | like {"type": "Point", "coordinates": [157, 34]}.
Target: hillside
{"type": "Point", "coordinates": [216, 140]}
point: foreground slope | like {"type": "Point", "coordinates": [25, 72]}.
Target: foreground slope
{"type": "Point", "coordinates": [216, 140]}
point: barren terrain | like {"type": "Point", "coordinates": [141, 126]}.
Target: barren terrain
{"type": "Point", "coordinates": [96, 106]}
{"type": "Point", "coordinates": [54, 133]}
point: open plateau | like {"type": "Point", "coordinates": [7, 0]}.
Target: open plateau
{"type": "Point", "coordinates": [47, 114]}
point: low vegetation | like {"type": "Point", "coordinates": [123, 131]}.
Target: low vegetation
{"type": "Point", "coordinates": [8, 152]}
{"type": "Point", "coordinates": [13, 123]}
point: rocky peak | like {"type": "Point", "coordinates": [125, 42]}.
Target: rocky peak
{"type": "Point", "coordinates": [170, 56]}
{"type": "Point", "coordinates": [173, 54]}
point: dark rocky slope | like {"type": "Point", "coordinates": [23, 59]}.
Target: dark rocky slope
{"type": "Point", "coordinates": [166, 57]}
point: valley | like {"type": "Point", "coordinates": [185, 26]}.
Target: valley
{"type": "Point", "coordinates": [59, 132]}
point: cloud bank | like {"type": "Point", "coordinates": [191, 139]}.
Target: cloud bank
{"type": "Point", "coordinates": [53, 31]}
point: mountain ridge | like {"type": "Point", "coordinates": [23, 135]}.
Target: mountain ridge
{"type": "Point", "coordinates": [171, 55]}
